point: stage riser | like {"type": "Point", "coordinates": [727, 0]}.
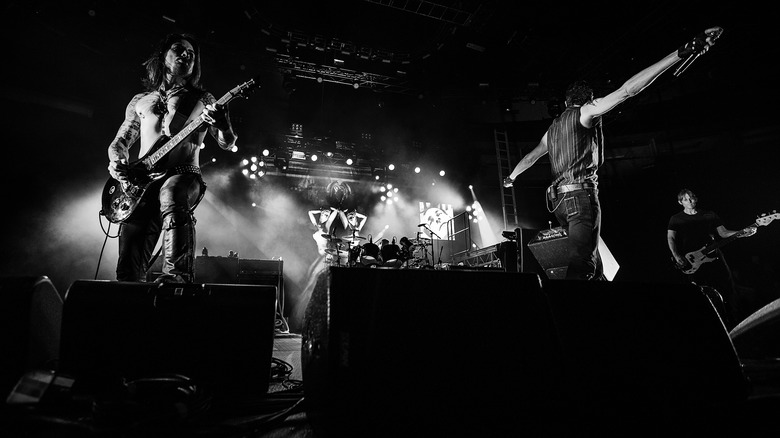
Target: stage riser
{"type": "Point", "coordinates": [219, 335]}
{"type": "Point", "coordinates": [30, 318]}
{"type": "Point", "coordinates": [465, 350]}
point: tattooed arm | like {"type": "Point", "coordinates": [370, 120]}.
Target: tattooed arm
{"type": "Point", "coordinates": [218, 118]}
{"type": "Point", "coordinates": [126, 136]}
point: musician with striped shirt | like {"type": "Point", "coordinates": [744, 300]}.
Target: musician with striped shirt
{"type": "Point", "coordinates": [575, 143]}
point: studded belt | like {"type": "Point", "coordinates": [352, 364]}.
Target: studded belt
{"type": "Point", "coordinates": [189, 168]}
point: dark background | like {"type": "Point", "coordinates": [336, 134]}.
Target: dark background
{"type": "Point", "coordinates": [452, 74]}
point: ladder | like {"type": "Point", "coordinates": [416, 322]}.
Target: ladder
{"type": "Point", "coordinates": [504, 169]}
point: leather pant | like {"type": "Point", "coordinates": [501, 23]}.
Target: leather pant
{"type": "Point", "coordinates": [168, 208]}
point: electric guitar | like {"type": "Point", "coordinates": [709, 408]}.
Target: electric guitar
{"type": "Point", "coordinates": [120, 199]}
{"type": "Point", "coordinates": [694, 259]}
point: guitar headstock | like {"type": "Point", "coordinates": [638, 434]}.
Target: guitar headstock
{"type": "Point", "coordinates": [244, 89]}
{"type": "Point", "coordinates": [767, 218]}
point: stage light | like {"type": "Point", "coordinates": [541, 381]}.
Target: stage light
{"type": "Point", "coordinates": [254, 159]}
{"type": "Point", "coordinates": [416, 170]}
{"type": "Point", "coordinates": [355, 85]}
{"type": "Point", "coordinates": [234, 149]}
{"type": "Point", "coordinates": [266, 152]}
{"type": "Point", "coordinates": [314, 157]}
{"type": "Point", "coordinates": [253, 167]}
{"type": "Point", "coordinates": [244, 162]}
{"type": "Point", "coordinates": [245, 171]}
{"type": "Point", "coordinates": [441, 173]}
{"type": "Point", "coordinates": [349, 161]}
{"type": "Point", "coordinates": [383, 198]}
{"type": "Point", "coordinates": [281, 163]}
{"type": "Point", "coordinates": [391, 167]}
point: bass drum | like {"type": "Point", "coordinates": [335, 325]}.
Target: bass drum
{"type": "Point", "coordinates": [370, 255]}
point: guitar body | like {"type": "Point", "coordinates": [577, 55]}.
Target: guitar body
{"type": "Point", "coordinates": [694, 261]}
{"type": "Point", "coordinates": [119, 199]}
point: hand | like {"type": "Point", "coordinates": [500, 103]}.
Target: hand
{"type": "Point", "coordinates": [216, 115]}
{"type": "Point", "coordinates": [749, 231]}
{"type": "Point", "coordinates": [508, 182]}
{"type": "Point", "coordinates": [700, 43]}
{"type": "Point", "coordinates": [118, 170]}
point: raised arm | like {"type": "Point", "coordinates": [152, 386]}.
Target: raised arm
{"type": "Point", "coordinates": [600, 106]}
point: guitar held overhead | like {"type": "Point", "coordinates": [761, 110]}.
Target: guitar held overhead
{"type": "Point", "coordinates": [694, 259]}
{"type": "Point", "coordinates": [120, 199]}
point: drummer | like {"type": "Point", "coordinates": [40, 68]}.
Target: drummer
{"type": "Point", "coordinates": [406, 248]}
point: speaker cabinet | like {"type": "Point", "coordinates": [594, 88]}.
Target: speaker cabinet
{"type": "Point", "coordinates": [219, 335]}
{"type": "Point", "coordinates": [215, 269]}
{"type": "Point", "coordinates": [429, 353]}
{"type": "Point", "coordinates": [549, 247]}
{"type": "Point", "coordinates": [644, 351]}
{"type": "Point", "coordinates": [30, 319]}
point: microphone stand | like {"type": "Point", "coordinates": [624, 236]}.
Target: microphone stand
{"type": "Point", "coordinates": [437, 236]}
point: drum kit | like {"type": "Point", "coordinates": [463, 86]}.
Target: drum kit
{"type": "Point", "coordinates": [348, 251]}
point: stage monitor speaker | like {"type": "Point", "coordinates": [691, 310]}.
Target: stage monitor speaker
{"type": "Point", "coordinates": [507, 253]}
{"type": "Point", "coordinates": [645, 352]}
{"type": "Point", "coordinates": [218, 335]}
{"type": "Point", "coordinates": [550, 250]}
{"type": "Point", "coordinates": [390, 352]}
{"type": "Point", "coordinates": [216, 269]}
{"type": "Point", "coordinates": [30, 319]}
{"type": "Point", "coordinates": [757, 337]}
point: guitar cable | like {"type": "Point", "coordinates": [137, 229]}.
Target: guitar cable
{"type": "Point", "coordinates": [107, 233]}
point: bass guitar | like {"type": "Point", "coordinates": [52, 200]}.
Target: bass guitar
{"type": "Point", "coordinates": [694, 259]}
{"type": "Point", "coordinates": [119, 199]}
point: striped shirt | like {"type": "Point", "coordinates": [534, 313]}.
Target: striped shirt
{"type": "Point", "coordinates": [576, 152]}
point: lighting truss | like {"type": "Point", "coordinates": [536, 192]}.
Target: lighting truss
{"type": "Point", "coordinates": [338, 75]}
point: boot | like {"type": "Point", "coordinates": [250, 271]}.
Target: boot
{"type": "Point", "coordinates": [178, 265]}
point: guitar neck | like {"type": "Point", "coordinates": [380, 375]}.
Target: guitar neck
{"type": "Point", "coordinates": [715, 245]}
{"type": "Point", "coordinates": [174, 141]}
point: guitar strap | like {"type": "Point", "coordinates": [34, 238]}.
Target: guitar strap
{"type": "Point", "coordinates": [183, 111]}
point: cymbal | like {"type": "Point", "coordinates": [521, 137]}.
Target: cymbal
{"type": "Point", "coordinates": [355, 237]}
{"type": "Point", "coordinates": [335, 252]}
{"type": "Point", "coordinates": [331, 238]}
{"type": "Point", "coordinates": [423, 241]}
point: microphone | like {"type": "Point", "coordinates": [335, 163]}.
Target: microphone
{"type": "Point", "coordinates": [713, 35]}
{"type": "Point", "coordinates": [418, 236]}
{"type": "Point", "coordinates": [421, 225]}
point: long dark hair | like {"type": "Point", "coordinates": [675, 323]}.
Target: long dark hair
{"type": "Point", "coordinates": [155, 64]}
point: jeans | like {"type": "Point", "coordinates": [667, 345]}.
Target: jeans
{"type": "Point", "coordinates": [167, 203]}
{"type": "Point", "coordinates": [579, 212]}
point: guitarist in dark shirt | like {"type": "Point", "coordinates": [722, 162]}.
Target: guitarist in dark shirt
{"type": "Point", "coordinates": [172, 99]}
{"type": "Point", "coordinates": [690, 231]}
